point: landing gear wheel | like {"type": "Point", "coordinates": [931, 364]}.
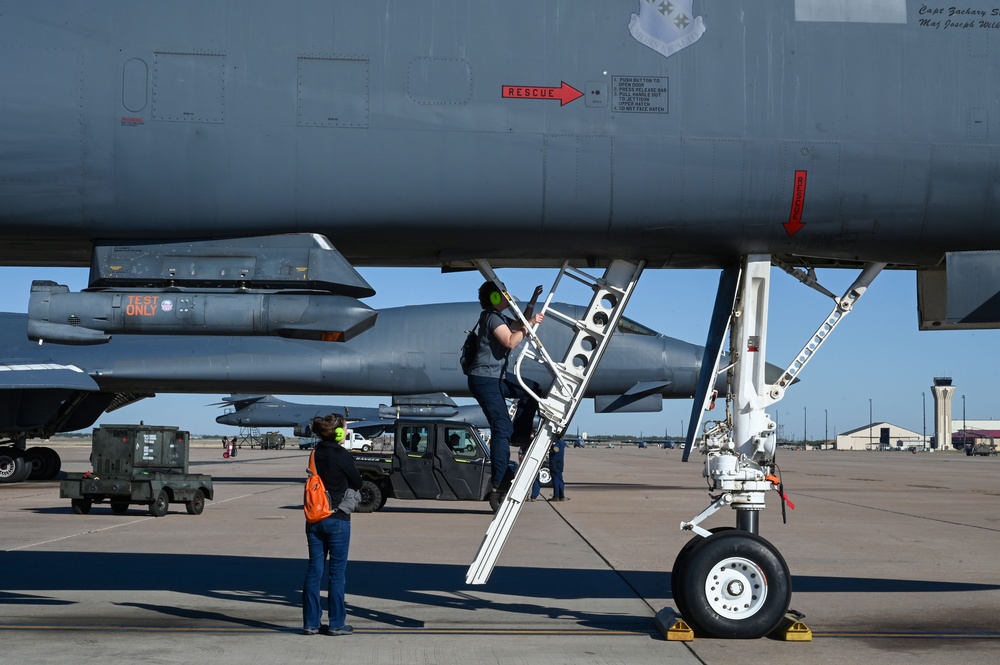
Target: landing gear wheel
{"type": "Point", "coordinates": [13, 466]}
{"type": "Point", "coordinates": [119, 507]}
{"type": "Point", "coordinates": [196, 506]}
{"type": "Point", "coordinates": [45, 463]}
{"type": "Point", "coordinates": [545, 476]}
{"type": "Point", "coordinates": [736, 585]}
{"type": "Point", "coordinates": [678, 571]}
{"type": "Point", "coordinates": [159, 506]}
{"type": "Point", "coordinates": [371, 497]}
{"type": "Point", "coordinates": [81, 506]}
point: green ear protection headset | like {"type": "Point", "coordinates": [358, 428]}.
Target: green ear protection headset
{"type": "Point", "coordinates": [495, 298]}
{"type": "Point", "coordinates": [339, 434]}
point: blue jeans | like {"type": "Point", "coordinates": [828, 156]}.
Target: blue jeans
{"type": "Point", "coordinates": [328, 538]}
{"type": "Point", "coordinates": [491, 394]}
{"type": "Point", "coordinates": [558, 486]}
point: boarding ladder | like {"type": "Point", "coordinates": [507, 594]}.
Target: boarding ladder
{"type": "Point", "coordinates": [249, 435]}
{"type": "Point", "coordinates": [572, 374]}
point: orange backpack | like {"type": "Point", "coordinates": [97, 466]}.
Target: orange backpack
{"type": "Point", "coordinates": [316, 502]}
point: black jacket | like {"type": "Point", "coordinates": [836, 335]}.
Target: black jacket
{"type": "Point", "coordinates": [336, 469]}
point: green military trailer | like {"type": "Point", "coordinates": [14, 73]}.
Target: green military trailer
{"type": "Point", "coordinates": [138, 464]}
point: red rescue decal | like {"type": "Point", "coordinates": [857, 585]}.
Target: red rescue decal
{"type": "Point", "coordinates": [565, 93]}
{"type": "Point", "coordinates": [794, 223]}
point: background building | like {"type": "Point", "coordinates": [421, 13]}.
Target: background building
{"type": "Point", "coordinates": [880, 436]}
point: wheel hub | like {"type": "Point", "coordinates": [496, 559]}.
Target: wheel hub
{"type": "Point", "coordinates": [736, 588]}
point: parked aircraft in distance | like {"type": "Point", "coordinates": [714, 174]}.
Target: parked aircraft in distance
{"type": "Point", "coordinates": [616, 135]}
{"type": "Point", "coordinates": [410, 351]}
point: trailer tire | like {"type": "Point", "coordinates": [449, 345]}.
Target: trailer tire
{"type": "Point", "coordinates": [196, 506]}
{"type": "Point", "coordinates": [119, 507]}
{"type": "Point", "coordinates": [81, 506]}
{"type": "Point", "coordinates": [160, 505]}
{"type": "Point", "coordinates": [371, 497]}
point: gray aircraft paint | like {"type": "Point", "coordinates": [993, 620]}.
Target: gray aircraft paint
{"type": "Point", "coordinates": [387, 120]}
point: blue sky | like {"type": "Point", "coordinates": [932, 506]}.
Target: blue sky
{"type": "Point", "coordinates": [876, 354]}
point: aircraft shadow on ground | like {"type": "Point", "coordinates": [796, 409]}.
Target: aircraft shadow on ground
{"type": "Point", "coordinates": [278, 581]}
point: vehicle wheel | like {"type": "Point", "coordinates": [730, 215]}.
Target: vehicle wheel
{"type": "Point", "coordinates": [545, 476]}
{"type": "Point", "coordinates": [81, 506]}
{"type": "Point", "coordinates": [736, 585]}
{"type": "Point", "coordinates": [366, 448]}
{"type": "Point", "coordinates": [225, 455]}
{"type": "Point", "coordinates": [381, 504]}
{"type": "Point", "coordinates": [13, 466]}
{"type": "Point", "coordinates": [159, 506]}
{"type": "Point", "coordinates": [677, 572]}
{"type": "Point", "coordinates": [371, 497]}
{"type": "Point", "coordinates": [119, 507]}
{"type": "Point", "coordinates": [196, 506]}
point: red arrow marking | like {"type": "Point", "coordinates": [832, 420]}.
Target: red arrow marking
{"type": "Point", "coordinates": [565, 93]}
{"type": "Point", "coordinates": [794, 223]}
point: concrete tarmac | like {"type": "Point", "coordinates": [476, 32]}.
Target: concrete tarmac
{"type": "Point", "coordinates": [893, 559]}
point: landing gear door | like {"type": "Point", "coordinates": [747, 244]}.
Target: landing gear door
{"type": "Point", "coordinates": [461, 466]}
{"type": "Point", "coordinates": [415, 455]}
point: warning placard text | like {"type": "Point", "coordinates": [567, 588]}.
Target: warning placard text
{"type": "Point", "coordinates": [639, 94]}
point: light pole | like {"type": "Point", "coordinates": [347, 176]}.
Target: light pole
{"type": "Point", "coordinates": [870, 423]}
{"type": "Point", "coordinates": [924, 396]}
{"type": "Point", "coordinates": [826, 426]}
{"type": "Point", "coordinates": [965, 427]}
{"type": "Point", "coordinates": [805, 420]}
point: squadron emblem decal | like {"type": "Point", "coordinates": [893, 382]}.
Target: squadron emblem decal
{"type": "Point", "coordinates": [666, 26]}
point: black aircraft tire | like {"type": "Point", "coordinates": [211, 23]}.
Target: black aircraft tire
{"type": "Point", "coordinates": [45, 463]}
{"type": "Point", "coordinates": [53, 461]}
{"type": "Point", "coordinates": [677, 572]}
{"type": "Point", "coordinates": [37, 461]}
{"type": "Point", "coordinates": [196, 506]}
{"type": "Point", "coordinates": [545, 476]}
{"type": "Point", "coordinates": [371, 497]}
{"type": "Point", "coordinates": [13, 466]}
{"type": "Point", "coordinates": [160, 505]}
{"type": "Point", "coordinates": [119, 507]}
{"type": "Point", "coordinates": [81, 506]}
{"type": "Point", "coordinates": [736, 585]}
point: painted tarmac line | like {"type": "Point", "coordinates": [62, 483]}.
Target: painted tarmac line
{"type": "Point", "coordinates": [357, 631]}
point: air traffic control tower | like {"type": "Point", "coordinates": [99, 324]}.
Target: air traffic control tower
{"type": "Point", "coordinates": [943, 392]}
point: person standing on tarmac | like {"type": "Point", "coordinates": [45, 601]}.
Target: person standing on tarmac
{"type": "Point", "coordinates": [490, 384]}
{"type": "Point", "coordinates": [331, 537]}
{"type": "Point", "coordinates": [557, 460]}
